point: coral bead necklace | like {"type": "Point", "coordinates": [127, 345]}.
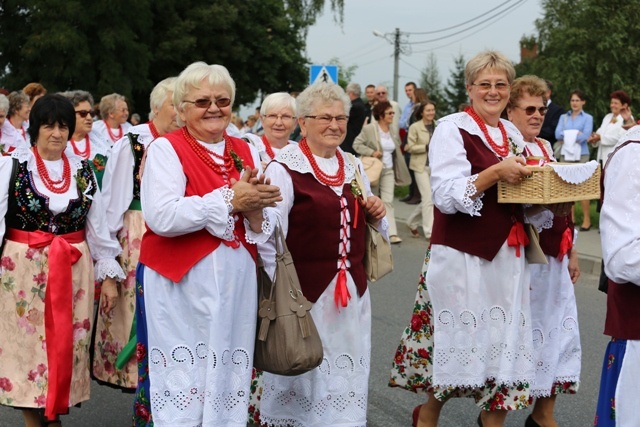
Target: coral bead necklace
{"type": "Point", "coordinates": [86, 153]}
{"type": "Point", "coordinates": [501, 150]}
{"type": "Point", "coordinates": [330, 180]}
{"type": "Point", "coordinates": [57, 187]}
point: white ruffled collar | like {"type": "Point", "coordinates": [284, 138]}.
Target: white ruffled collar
{"type": "Point", "coordinates": [294, 159]}
{"type": "Point", "coordinates": [26, 155]}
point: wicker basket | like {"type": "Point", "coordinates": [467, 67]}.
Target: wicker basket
{"type": "Point", "coordinates": [544, 186]}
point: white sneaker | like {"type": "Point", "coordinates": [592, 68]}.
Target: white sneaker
{"type": "Point", "coordinates": [395, 239]}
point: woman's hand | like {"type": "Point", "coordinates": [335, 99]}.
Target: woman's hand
{"type": "Point", "coordinates": [574, 267]}
{"type": "Point", "coordinates": [593, 139]}
{"type": "Point", "coordinates": [512, 170]}
{"type": "Point", "coordinates": [253, 193]}
{"type": "Point", "coordinates": [377, 154]}
{"type": "Point", "coordinates": [374, 207]}
{"type": "Point", "coordinates": [560, 209]}
{"type": "Point", "coordinates": [109, 292]}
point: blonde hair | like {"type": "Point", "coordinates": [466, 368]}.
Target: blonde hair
{"type": "Point", "coordinates": [533, 85]}
{"type": "Point", "coordinates": [488, 59]}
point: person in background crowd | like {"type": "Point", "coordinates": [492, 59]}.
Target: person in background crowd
{"type": "Point", "coordinates": [80, 143]}
{"type": "Point", "coordinates": [370, 94]}
{"type": "Point", "coordinates": [554, 111]}
{"type": "Point", "coordinates": [114, 113]}
{"type": "Point", "coordinates": [554, 315]}
{"type": "Point", "coordinates": [114, 361]}
{"type": "Point", "coordinates": [205, 206]}
{"type": "Point", "coordinates": [317, 216]}
{"type": "Point", "coordinates": [278, 115]}
{"type": "Point", "coordinates": [581, 121]}
{"type": "Point", "coordinates": [414, 197]}
{"type": "Point", "coordinates": [404, 123]}
{"type": "Point", "coordinates": [620, 235]}
{"type": "Point", "coordinates": [421, 97]}
{"type": "Point", "coordinates": [382, 95]}
{"type": "Point", "coordinates": [380, 139]}
{"type": "Point", "coordinates": [135, 119]}
{"type": "Point", "coordinates": [418, 147]}
{"type": "Point", "coordinates": [53, 223]}
{"type": "Point", "coordinates": [357, 117]}
{"type": "Point", "coordinates": [18, 114]}
{"type": "Point", "coordinates": [34, 91]}
{"type": "Point", "coordinates": [248, 124]}
{"type": "Point", "coordinates": [462, 341]}
{"type": "Point", "coordinates": [257, 129]}
{"type": "Point", "coordinates": [232, 129]}
{"type": "Point", "coordinates": [9, 137]}
{"type": "Point", "coordinates": [613, 125]}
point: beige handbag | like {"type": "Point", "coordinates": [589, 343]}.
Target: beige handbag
{"type": "Point", "coordinates": [287, 341]}
{"type": "Point", "coordinates": [378, 259]}
{"type": "Point", "coordinates": [373, 168]}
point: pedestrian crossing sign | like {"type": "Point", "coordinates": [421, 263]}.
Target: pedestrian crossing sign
{"type": "Point", "coordinates": [323, 74]}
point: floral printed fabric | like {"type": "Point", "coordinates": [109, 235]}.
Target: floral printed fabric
{"type": "Point", "coordinates": [23, 356]}
{"type": "Point", "coordinates": [142, 403]}
{"type": "Point", "coordinates": [113, 330]}
{"type": "Point", "coordinates": [412, 366]}
{"type": "Point", "coordinates": [611, 366]}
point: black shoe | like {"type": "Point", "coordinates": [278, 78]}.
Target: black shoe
{"type": "Point", "coordinates": [585, 228]}
{"type": "Point", "coordinates": [530, 422]}
{"type": "Point", "coordinates": [407, 198]}
{"type": "Point", "coordinates": [414, 201]}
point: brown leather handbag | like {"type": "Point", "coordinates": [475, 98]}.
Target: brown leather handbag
{"type": "Point", "coordinates": [287, 341]}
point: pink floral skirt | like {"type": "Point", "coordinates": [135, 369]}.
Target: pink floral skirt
{"type": "Point", "coordinates": [23, 357]}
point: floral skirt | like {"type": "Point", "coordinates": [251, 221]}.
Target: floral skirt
{"type": "Point", "coordinates": [113, 330]}
{"type": "Point", "coordinates": [611, 367]}
{"type": "Point", "coordinates": [412, 367]}
{"type": "Point", "coordinates": [23, 356]}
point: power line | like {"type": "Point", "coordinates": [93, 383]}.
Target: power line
{"type": "Point", "coordinates": [458, 25]}
{"type": "Point", "coordinates": [378, 47]}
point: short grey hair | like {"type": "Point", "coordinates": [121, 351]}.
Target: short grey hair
{"type": "Point", "coordinates": [4, 104]}
{"type": "Point", "coordinates": [489, 59]}
{"type": "Point", "coordinates": [78, 96]}
{"type": "Point", "coordinates": [193, 75]}
{"type": "Point", "coordinates": [320, 93]}
{"type": "Point", "coordinates": [108, 104]}
{"type": "Point", "coordinates": [159, 94]}
{"type": "Point", "coordinates": [278, 101]}
{"type": "Point", "coordinates": [16, 101]}
{"type": "Point", "coordinates": [354, 88]}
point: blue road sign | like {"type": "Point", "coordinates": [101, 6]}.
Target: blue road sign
{"type": "Point", "coordinates": [323, 73]}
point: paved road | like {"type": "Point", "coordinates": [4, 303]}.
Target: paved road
{"type": "Point", "coordinates": [392, 299]}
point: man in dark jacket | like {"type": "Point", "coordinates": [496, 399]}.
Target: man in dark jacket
{"type": "Point", "coordinates": [357, 116]}
{"type": "Point", "coordinates": [552, 117]}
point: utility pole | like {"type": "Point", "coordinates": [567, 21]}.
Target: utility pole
{"type": "Point", "coordinates": [396, 60]}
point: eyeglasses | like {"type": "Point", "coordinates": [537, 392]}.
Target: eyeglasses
{"type": "Point", "coordinates": [390, 113]}
{"type": "Point", "coordinates": [326, 119]}
{"type": "Point", "coordinates": [206, 103]}
{"type": "Point", "coordinates": [83, 113]}
{"type": "Point", "coordinates": [531, 109]}
{"type": "Point", "coordinates": [381, 93]}
{"type": "Point", "coordinates": [275, 117]}
{"type": "Point", "coordinates": [486, 86]}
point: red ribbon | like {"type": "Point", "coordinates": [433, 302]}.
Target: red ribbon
{"type": "Point", "coordinates": [341, 295]}
{"type": "Point", "coordinates": [566, 243]}
{"type": "Point", "coordinates": [58, 321]}
{"type": "Point", "coordinates": [517, 237]}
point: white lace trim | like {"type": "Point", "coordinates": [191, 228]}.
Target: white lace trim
{"type": "Point", "coordinates": [108, 267]}
{"type": "Point", "coordinates": [23, 154]}
{"type": "Point", "coordinates": [471, 190]}
{"type": "Point", "coordinates": [292, 156]}
{"type": "Point", "coordinates": [542, 221]}
{"type": "Point", "coordinates": [227, 195]}
{"type": "Point", "coordinates": [575, 173]}
{"type": "Point", "coordinates": [266, 229]}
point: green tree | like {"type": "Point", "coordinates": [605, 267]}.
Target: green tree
{"type": "Point", "coordinates": [345, 74]}
{"type": "Point", "coordinates": [589, 45]}
{"type": "Point", "coordinates": [430, 81]}
{"type": "Point", "coordinates": [456, 90]}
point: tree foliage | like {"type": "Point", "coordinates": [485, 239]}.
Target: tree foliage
{"type": "Point", "coordinates": [590, 45]}
{"type": "Point", "coordinates": [456, 90]}
{"type": "Point", "coordinates": [345, 74]}
{"type": "Point", "coordinates": [430, 81]}
{"type": "Point", "coordinates": [127, 47]}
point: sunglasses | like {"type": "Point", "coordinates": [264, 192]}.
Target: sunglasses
{"type": "Point", "coordinates": [381, 93]}
{"type": "Point", "coordinates": [531, 109]}
{"type": "Point", "coordinates": [83, 113]}
{"type": "Point", "coordinates": [206, 103]}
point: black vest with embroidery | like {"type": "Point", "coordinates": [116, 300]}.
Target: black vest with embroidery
{"type": "Point", "coordinates": [29, 209]}
{"type": "Point", "coordinates": [137, 149]}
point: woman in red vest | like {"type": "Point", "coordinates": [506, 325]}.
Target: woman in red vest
{"type": "Point", "coordinates": [205, 208]}
{"type": "Point", "coordinates": [324, 222]}
{"type": "Point", "coordinates": [470, 333]}
{"type": "Point", "coordinates": [554, 315]}
{"type": "Point", "coordinates": [53, 223]}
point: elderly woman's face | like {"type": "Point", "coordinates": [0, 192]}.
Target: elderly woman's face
{"type": "Point", "coordinates": [278, 124]}
{"type": "Point", "coordinates": [206, 124]}
{"type": "Point", "coordinates": [329, 127]}
{"type": "Point", "coordinates": [52, 140]}
{"type": "Point", "coordinates": [166, 114]}
{"type": "Point", "coordinates": [616, 105]}
{"type": "Point", "coordinates": [121, 113]}
{"type": "Point", "coordinates": [529, 125]}
{"type": "Point", "coordinates": [3, 117]}
{"type": "Point", "coordinates": [83, 124]}
{"type": "Point", "coordinates": [489, 93]}
{"type": "Point", "coordinates": [24, 111]}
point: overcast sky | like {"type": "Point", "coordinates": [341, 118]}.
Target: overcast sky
{"type": "Point", "coordinates": [355, 44]}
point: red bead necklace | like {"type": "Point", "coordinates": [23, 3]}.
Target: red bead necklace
{"type": "Point", "coordinates": [501, 150]}
{"type": "Point", "coordinates": [86, 153]}
{"type": "Point", "coordinates": [113, 137]}
{"type": "Point", "coordinates": [57, 187]}
{"type": "Point", "coordinates": [22, 131]}
{"type": "Point", "coordinates": [544, 152]}
{"type": "Point", "coordinates": [154, 130]}
{"type": "Point", "coordinates": [205, 154]}
{"type": "Point", "coordinates": [330, 180]}
{"type": "Point", "coordinates": [267, 146]}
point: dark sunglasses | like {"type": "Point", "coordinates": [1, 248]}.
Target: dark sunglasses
{"type": "Point", "coordinates": [531, 109]}
{"type": "Point", "coordinates": [206, 103]}
{"type": "Point", "coordinates": [83, 113]}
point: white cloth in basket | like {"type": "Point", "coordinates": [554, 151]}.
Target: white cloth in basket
{"type": "Point", "coordinates": [575, 173]}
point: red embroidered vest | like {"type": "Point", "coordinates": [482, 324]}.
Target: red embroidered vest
{"type": "Point", "coordinates": [173, 257]}
{"type": "Point", "coordinates": [314, 235]}
{"type": "Point", "coordinates": [484, 235]}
